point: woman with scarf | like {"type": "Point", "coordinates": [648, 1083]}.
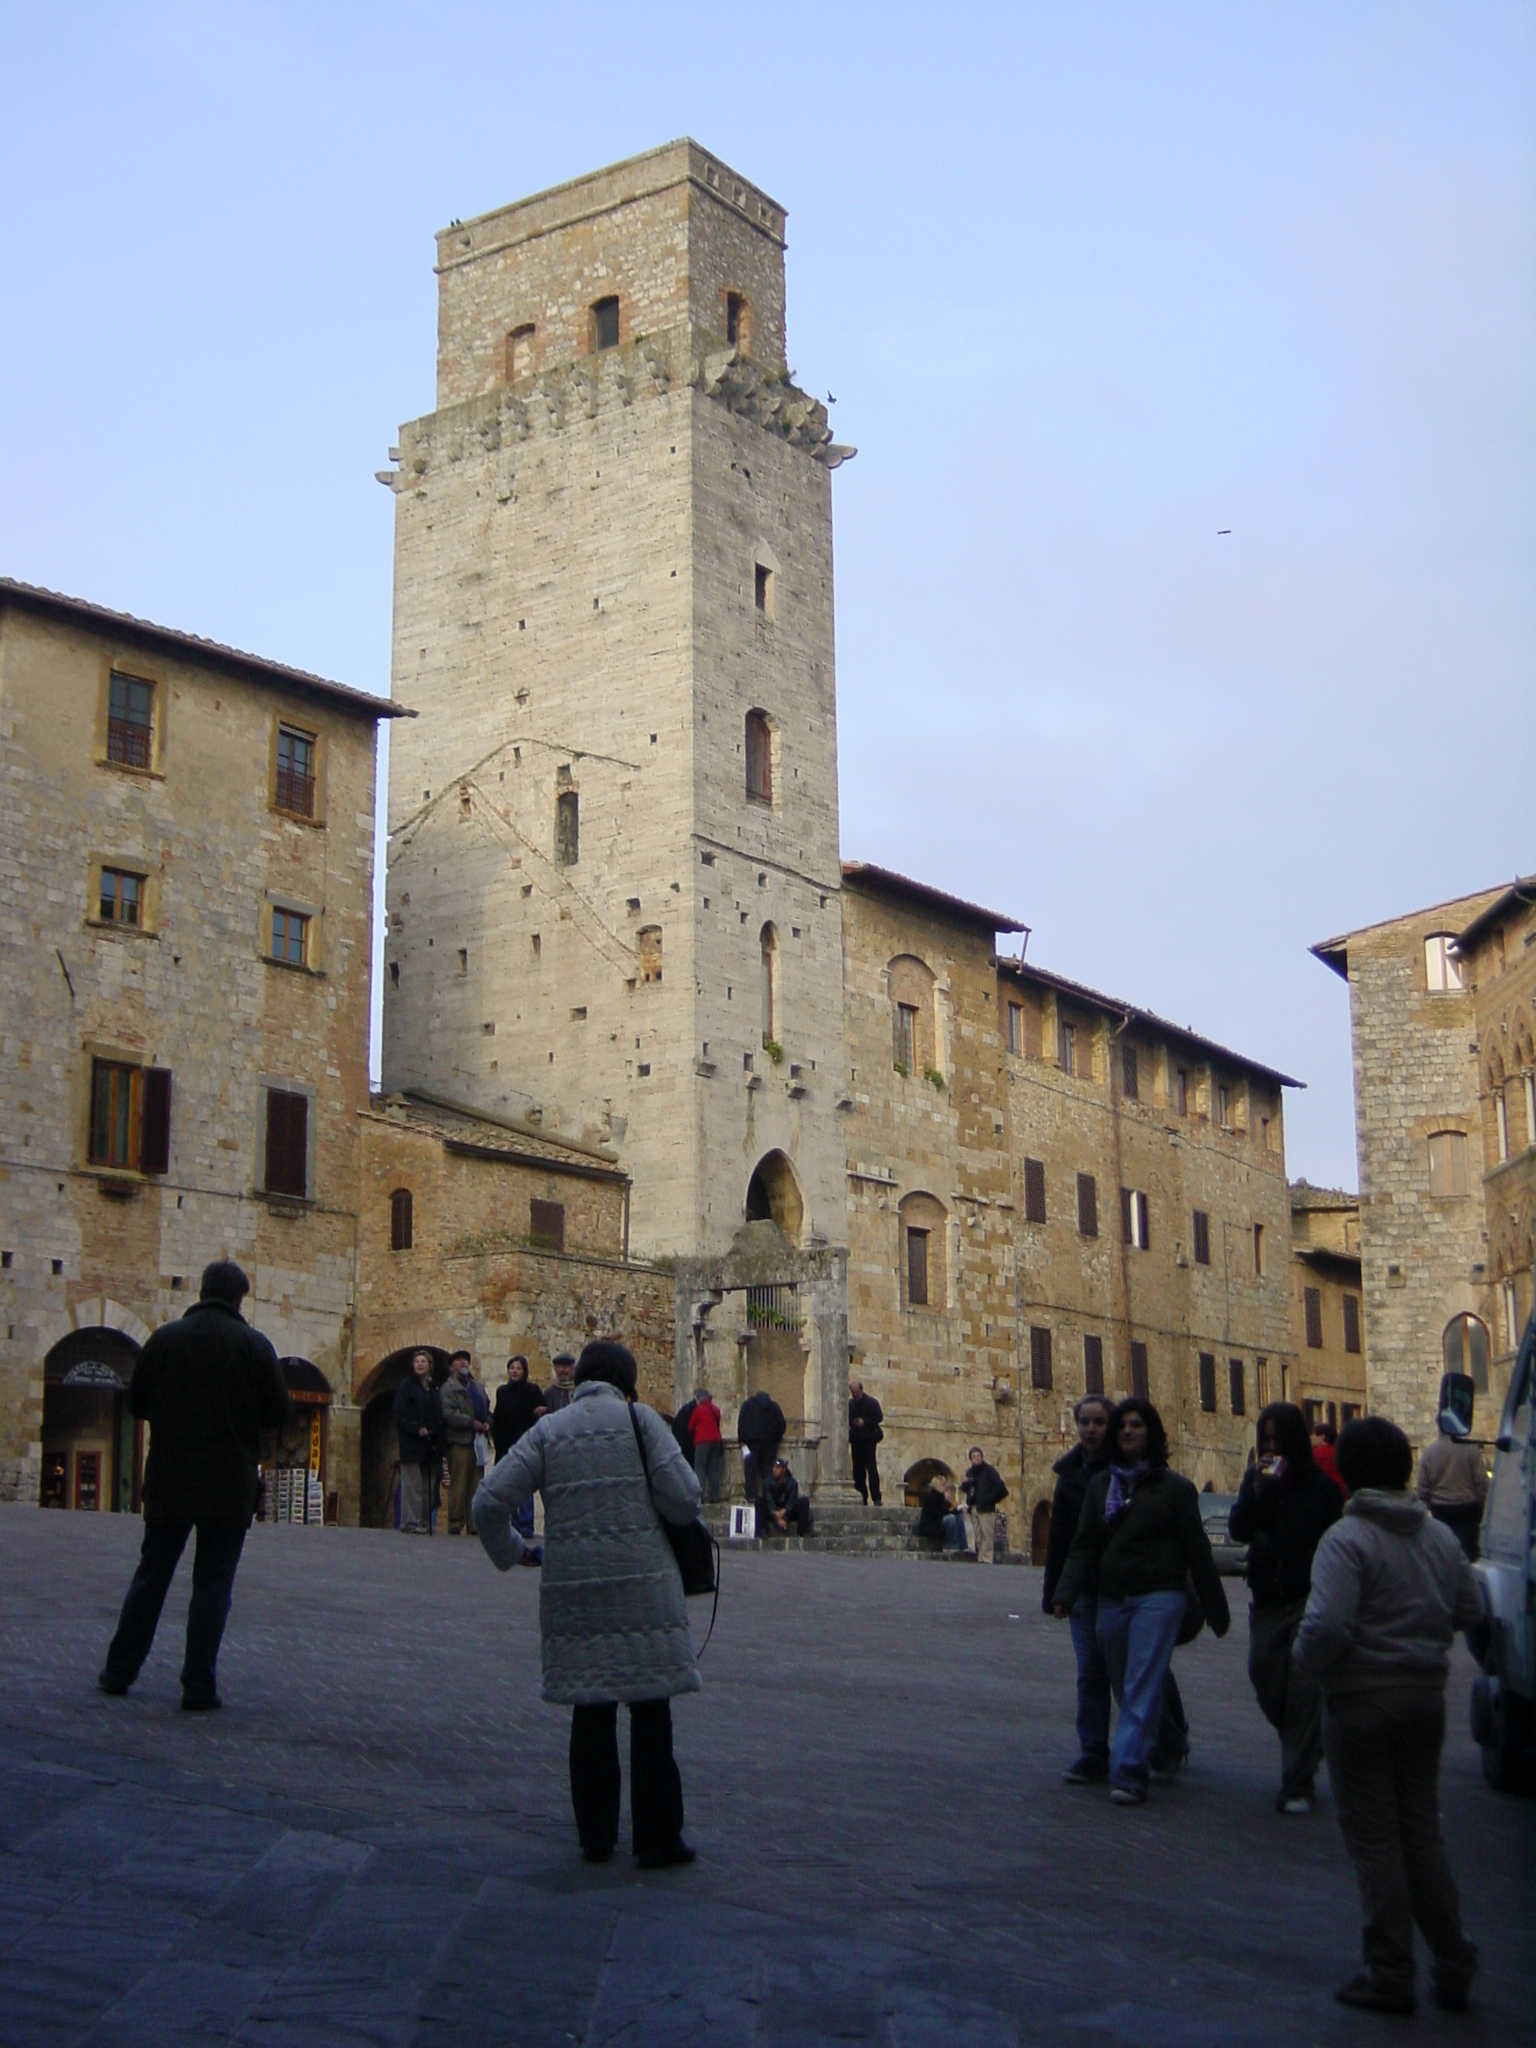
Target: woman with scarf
{"type": "Point", "coordinates": [1141, 1540]}
{"type": "Point", "coordinates": [1286, 1507]}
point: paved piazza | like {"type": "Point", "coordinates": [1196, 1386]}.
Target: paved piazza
{"type": "Point", "coordinates": [372, 1842]}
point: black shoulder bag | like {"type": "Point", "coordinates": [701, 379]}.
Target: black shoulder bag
{"type": "Point", "coordinates": [696, 1551]}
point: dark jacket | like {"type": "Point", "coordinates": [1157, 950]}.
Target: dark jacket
{"type": "Point", "coordinates": [1073, 1473]}
{"type": "Point", "coordinates": [1282, 1525]}
{"type": "Point", "coordinates": [865, 1416]}
{"type": "Point", "coordinates": [932, 1507]}
{"type": "Point", "coordinates": [418, 1407]}
{"type": "Point", "coordinates": [760, 1425]}
{"type": "Point", "coordinates": [458, 1405]}
{"type": "Point", "coordinates": [207, 1385]}
{"type": "Point", "coordinates": [557, 1397]}
{"type": "Point", "coordinates": [1153, 1546]}
{"type": "Point", "coordinates": [513, 1416]}
{"type": "Point", "coordinates": [781, 1494]}
{"type": "Point", "coordinates": [983, 1488]}
{"type": "Point", "coordinates": [682, 1436]}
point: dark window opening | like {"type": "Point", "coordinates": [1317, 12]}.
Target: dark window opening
{"type": "Point", "coordinates": [520, 352]}
{"type": "Point", "coordinates": [648, 940]}
{"type": "Point", "coordinates": [1202, 1238]}
{"type": "Point", "coordinates": [906, 1037]}
{"type": "Point", "coordinates": [295, 772]}
{"type": "Point", "coordinates": [917, 1268]}
{"type": "Point", "coordinates": [130, 721]}
{"type": "Point", "coordinates": [762, 590]}
{"type": "Point", "coordinates": [1238, 1386]}
{"type": "Point", "coordinates": [1352, 1323]}
{"type": "Point", "coordinates": [735, 319]}
{"type": "Point", "coordinates": [1066, 1048]}
{"type": "Point", "coordinates": [567, 828]}
{"type": "Point", "coordinates": [759, 759]}
{"type": "Point", "coordinates": [605, 324]}
{"type": "Point", "coordinates": [1015, 1027]}
{"type": "Point", "coordinates": [1130, 1073]}
{"type": "Point", "coordinates": [401, 1232]}
{"type": "Point", "coordinates": [122, 897]}
{"type": "Point", "coordinates": [1087, 1205]}
{"type": "Point", "coordinates": [1141, 1377]}
{"type": "Point", "coordinates": [1040, 1358]}
{"type": "Point", "coordinates": [1207, 1383]}
{"type": "Point", "coordinates": [1312, 1304]}
{"type": "Point", "coordinates": [1093, 1364]}
{"type": "Point", "coordinates": [290, 932]}
{"type": "Point", "coordinates": [1034, 1191]}
{"type": "Point", "coordinates": [287, 1148]}
{"type": "Point", "coordinates": [546, 1225]}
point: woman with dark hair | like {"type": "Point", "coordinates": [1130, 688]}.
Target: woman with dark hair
{"type": "Point", "coordinates": [1284, 1510]}
{"type": "Point", "coordinates": [1390, 1588]}
{"type": "Point", "coordinates": [1140, 1539]}
{"type": "Point", "coordinates": [612, 1615]}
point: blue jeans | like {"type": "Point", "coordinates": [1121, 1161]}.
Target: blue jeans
{"type": "Point", "coordinates": [1136, 1640]}
{"type": "Point", "coordinates": [213, 1577]}
{"type": "Point", "coordinates": [954, 1532]}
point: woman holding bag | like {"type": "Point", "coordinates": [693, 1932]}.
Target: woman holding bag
{"type": "Point", "coordinates": [612, 1615]}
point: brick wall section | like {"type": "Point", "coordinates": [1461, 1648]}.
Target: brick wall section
{"type": "Point", "coordinates": [194, 995]}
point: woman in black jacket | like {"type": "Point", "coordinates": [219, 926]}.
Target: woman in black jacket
{"type": "Point", "coordinates": [1286, 1506]}
{"type": "Point", "coordinates": [1140, 1540]}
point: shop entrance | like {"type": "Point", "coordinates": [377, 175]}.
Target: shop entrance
{"type": "Point", "coordinates": [93, 1450]}
{"type": "Point", "coordinates": [294, 1480]}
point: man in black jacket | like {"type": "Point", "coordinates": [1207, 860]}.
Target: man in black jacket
{"type": "Point", "coordinates": [864, 1432]}
{"type": "Point", "coordinates": [419, 1428]}
{"type": "Point", "coordinates": [984, 1494]}
{"type": "Point", "coordinates": [782, 1505]}
{"type": "Point", "coordinates": [207, 1385]}
{"type": "Point", "coordinates": [759, 1431]}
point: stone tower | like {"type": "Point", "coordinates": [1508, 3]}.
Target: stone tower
{"type": "Point", "coordinates": [614, 889]}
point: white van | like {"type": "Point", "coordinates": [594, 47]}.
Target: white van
{"type": "Point", "coordinates": [1504, 1698]}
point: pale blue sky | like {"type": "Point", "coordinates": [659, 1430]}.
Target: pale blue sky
{"type": "Point", "coordinates": [1089, 282]}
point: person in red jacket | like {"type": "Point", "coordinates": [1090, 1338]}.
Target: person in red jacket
{"type": "Point", "coordinates": [1324, 1437]}
{"type": "Point", "coordinates": [708, 1450]}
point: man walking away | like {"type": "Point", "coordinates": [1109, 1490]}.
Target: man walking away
{"type": "Point", "coordinates": [1453, 1482]}
{"type": "Point", "coordinates": [864, 1432]}
{"type": "Point", "coordinates": [1390, 1587]}
{"type": "Point", "coordinates": [759, 1431]}
{"type": "Point", "coordinates": [461, 1425]}
{"type": "Point", "coordinates": [558, 1396]}
{"type": "Point", "coordinates": [708, 1450]}
{"type": "Point", "coordinates": [782, 1506]}
{"type": "Point", "coordinates": [984, 1494]}
{"type": "Point", "coordinates": [419, 1429]}
{"type": "Point", "coordinates": [207, 1385]}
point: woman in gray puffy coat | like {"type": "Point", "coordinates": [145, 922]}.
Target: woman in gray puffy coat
{"type": "Point", "coordinates": [611, 1609]}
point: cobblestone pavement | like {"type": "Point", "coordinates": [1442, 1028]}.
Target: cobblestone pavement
{"type": "Point", "coordinates": [372, 1842]}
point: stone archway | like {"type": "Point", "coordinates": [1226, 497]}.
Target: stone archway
{"type": "Point", "coordinates": [773, 1195]}
{"type": "Point", "coordinates": [375, 1396]}
{"type": "Point", "coordinates": [926, 1472]}
{"type": "Point", "coordinates": [91, 1456]}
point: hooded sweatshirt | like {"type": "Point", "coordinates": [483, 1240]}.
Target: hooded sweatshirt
{"type": "Point", "coordinates": [1390, 1587]}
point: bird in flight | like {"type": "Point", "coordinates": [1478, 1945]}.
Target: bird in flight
{"type": "Point", "coordinates": [830, 399]}
{"type": "Point", "coordinates": [1221, 530]}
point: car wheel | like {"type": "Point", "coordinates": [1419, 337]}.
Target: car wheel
{"type": "Point", "coordinates": [1502, 1722]}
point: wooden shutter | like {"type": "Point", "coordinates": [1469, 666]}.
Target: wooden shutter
{"type": "Point", "coordinates": [546, 1225]}
{"type": "Point", "coordinates": [1034, 1191]}
{"type": "Point", "coordinates": [1130, 1069]}
{"type": "Point", "coordinates": [1202, 1238]}
{"type": "Point", "coordinates": [287, 1143]}
{"type": "Point", "coordinates": [1141, 1378]}
{"type": "Point", "coordinates": [1087, 1205]}
{"type": "Point", "coordinates": [1207, 1383]}
{"type": "Point", "coordinates": [1312, 1300]}
{"type": "Point", "coordinates": [917, 1269]}
{"type": "Point", "coordinates": [155, 1122]}
{"type": "Point", "coordinates": [1093, 1364]}
{"type": "Point", "coordinates": [1238, 1386]}
{"type": "Point", "coordinates": [1144, 1222]}
{"type": "Point", "coordinates": [1352, 1323]}
{"type": "Point", "coordinates": [1040, 1358]}
{"type": "Point", "coordinates": [402, 1225]}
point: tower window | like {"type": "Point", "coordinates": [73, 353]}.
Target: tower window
{"type": "Point", "coordinates": [605, 324]}
{"type": "Point", "coordinates": [520, 353]}
{"type": "Point", "coordinates": [400, 1221]}
{"type": "Point", "coordinates": [295, 791]}
{"type": "Point", "coordinates": [763, 589]}
{"type": "Point", "coordinates": [130, 721]}
{"type": "Point", "coordinates": [759, 758]}
{"type": "Point", "coordinates": [917, 1269]}
{"type": "Point", "coordinates": [567, 828]}
{"type": "Point", "coordinates": [906, 1037]}
{"type": "Point", "coordinates": [736, 319]}
{"type": "Point", "coordinates": [1130, 1071]}
{"type": "Point", "coordinates": [648, 939]}
{"type": "Point", "coordinates": [1442, 967]}
{"type": "Point", "coordinates": [769, 941]}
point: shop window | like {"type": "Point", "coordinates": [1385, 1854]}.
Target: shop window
{"type": "Point", "coordinates": [648, 942]}
{"type": "Point", "coordinates": [759, 750]}
{"type": "Point", "coordinates": [605, 324]}
{"type": "Point", "coordinates": [1141, 1376]}
{"type": "Point", "coordinates": [1442, 967]}
{"type": "Point", "coordinates": [567, 828]}
{"type": "Point", "coordinates": [1312, 1310]}
{"type": "Point", "coordinates": [290, 937]}
{"type": "Point", "coordinates": [1207, 1383]}
{"type": "Point", "coordinates": [1087, 1205]}
{"type": "Point", "coordinates": [1134, 1221]}
{"type": "Point", "coordinates": [122, 897]}
{"type": "Point", "coordinates": [1202, 1238]}
{"type": "Point", "coordinates": [1040, 1375]}
{"type": "Point", "coordinates": [1448, 1163]}
{"type": "Point", "coordinates": [1237, 1385]}
{"type": "Point", "coordinates": [1352, 1324]}
{"type": "Point", "coordinates": [1093, 1363]}
{"type": "Point", "coordinates": [295, 791]}
{"type": "Point", "coordinates": [1130, 1073]}
{"type": "Point", "coordinates": [88, 1479]}
{"type": "Point", "coordinates": [1034, 1191]}
{"type": "Point", "coordinates": [130, 1117]}
{"type": "Point", "coordinates": [130, 721]}
{"type": "Point", "coordinates": [546, 1225]}
{"type": "Point", "coordinates": [401, 1221]}
{"type": "Point", "coordinates": [286, 1147]}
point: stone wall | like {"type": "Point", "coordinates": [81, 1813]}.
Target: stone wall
{"type": "Point", "coordinates": [1325, 1259]}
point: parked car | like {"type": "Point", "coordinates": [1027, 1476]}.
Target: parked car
{"type": "Point", "coordinates": [1504, 1697]}
{"type": "Point", "coordinates": [1231, 1558]}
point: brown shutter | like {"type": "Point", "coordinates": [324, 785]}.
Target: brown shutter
{"type": "Point", "coordinates": [1238, 1386]}
{"type": "Point", "coordinates": [1352, 1322]}
{"type": "Point", "coordinates": [1141, 1378]}
{"type": "Point", "coordinates": [1313, 1302]}
{"type": "Point", "coordinates": [1040, 1358]}
{"type": "Point", "coordinates": [917, 1269]}
{"type": "Point", "coordinates": [1131, 1071]}
{"type": "Point", "coordinates": [287, 1143]}
{"type": "Point", "coordinates": [155, 1126]}
{"type": "Point", "coordinates": [1093, 1364]}
{"type": "Point", "coordinates": [1127, 1222]}
{"type": "Point", "coordinates": [1087, 1205]}
{"type": "Point", "coordinates": [1202, 1238]}
{"type": "Point", "coordinates": [1034, 1191]}
{"type": "Point", "coordinates": [1207, 1383]}
{"type": "Point", "coordinates": [546, 1225]}
{"type": "Point", "coordinates": [401, 1221]}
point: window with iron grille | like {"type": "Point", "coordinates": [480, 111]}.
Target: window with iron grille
{"type": "Point", "coordinates": [1352, 1323]}
{"type": "Point", "coordinates": [122, 897]}
{"type": "Point", "coordinates": [1087, 1205]}
{"type": "Point", "coordinates": [130, 721]}
{"type": "Point", "coordinates": [1034, 1191]}
{"type": "Point", "coordinates": [287, 1144]}
{"type": "Point", "coordinates": [130, 1117]}
{"type": "Point", "coordinates": [401, 1222]}
{"type": "Point", "coordinates": [759, 746]}
{"type": "Point", "coordinates": [1202, 1238]}
{"type": "Point", "coordinates": [1207, 1383]}
{"type": "Point", "coordinates": [1141, 1376]}
{"type": "Point", "coordinates": [1237, 1386]}
{"type": "Point", "coordinates": [1312, 1305]}
{"type": "Point", "coordinates": [295, 771]}
{"type": "Point", "coordinates": [290, 932]}
{"type": "Point", "coordinates": [1130, 1073]}
{"type": "Point", "coordinates": [546, 1225]}
{"type": "Point", "coordinates": [1093, 1363]}
{"type": "Point", "coordinates": [917, 1268]}
{"type": "Point", "coordinates": [1040, 1358]}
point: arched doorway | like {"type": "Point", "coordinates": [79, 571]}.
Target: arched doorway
{"type": "Point", "coordinates": [293, 1458]}
{"type": "Point", "coordinates": [923, 1474]}
{"type": "Point", "coordinates": [380, 1449]}
{"type": "Point", "coordinates": [93, 1454]}
{"type": "Point", "coordinates": [773, 1195]}
{"type": "Point", "coordinates": [1465, 1344]}
{"type": "Point", "coordinates": [1039, 1531]}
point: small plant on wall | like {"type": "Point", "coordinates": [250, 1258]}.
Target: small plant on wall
{"type": "Point", "coordinates": [774, 1050]}
{"type": "Point", "coordinates": [933, 1074]}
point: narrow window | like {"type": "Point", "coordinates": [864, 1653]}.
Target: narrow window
{"type": "Point", "coordinates": [648, 940]}
{"type": "Point", "coordinates": [917, 1268]}
{"type": "Point", "coordinates": [1130, 1073]}
{"type": "Point", "coordinates": [155, 1120]}
{"type": "Point", "coordinates": [1087, 1205]}
{"type": "Point", "coordinates": [762, 589]}
{"type": "Point", "coordinates": [605, 324]}
{"type": "Point", "coordinates": [1040, 1376]}
{"type": "Point", "coordinates": [1015, 1027]}
{"type": "Point", "coordinates": [1181, 1091]}
{"type": "Point", "coordinates": [1224, 1107]}
{"type": "Point", "coordinates": [906, 1037]}
{"type": "Point", "coordinates": [769, 946]}
{"type": "Point", "coordinates": [115, 1112]}
{"type": "Point", "coordinates": [1509, 1314]}
{"type": "Point", "coordinates": [546, 1225]}
{"type": "Point", "coordinates": [1501, 1123]}
{"type": "Point", "coordinates": [1093, 1363]}
{"type": "Point", "coordinates": [1258, 1250]}
{"type": "Point", "coordinates": [295, 772]}
{"type": "Point", "coordinates": [1034, 1191]}
{"type": "Point", "coordinates": [130, 721]}
{"type": "Point", "coordinates": [759, 750]}
{"type": "Point", "coordinates": [520, 353]}
{"type": "Point", "coordinates": [1528, 1081]}
{"type": "Point", "coordinates": [290, 931]}
{"type": "Point", "coordinates": [1066, 1048]}
{"type": "Point", "coordinates": [1133, 1218]}
{"type": "Point", "coordinates": [736, 319]}
{"type": "Point", "coordinates": [567, 828]}
{"type": "Point", "coordinates": [400, 1221]}
{"type": "Point", "coordinates": [1261, 1381]}
{"type": "Point", "coordinates": [1141, 1377]}
{"type": "Point", "coordinates": [1447, 1163]}
{"type": "Point", "coordinates": [1442, 968]}
{"type": "Point", "coordinates": [1202, 1238]}
{"type": "Point", "coordinates": [287, 1147]}
{"type": "Point", "coordinates": [1312, 1305]}
{"type": "Point", "coordinates": [1237, 1386]}
{"type": "Point", "coordinates": [122, 897]}
{"type": "Point", "coordinates": [1207, 1383]}
{"type": "Point", "coordinates": [1352, 1324]}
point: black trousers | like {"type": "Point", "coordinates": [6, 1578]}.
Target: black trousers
{"type": "Point", "coordinates": [866, 1474]}
{"type": "Point", "coordinates": [655, 1786]}
{"type": "Point", "coordinates": [798, 1518]}
{"type": "Point", "coordinates": [214, 1564]}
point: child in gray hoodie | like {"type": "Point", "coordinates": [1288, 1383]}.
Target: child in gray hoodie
{"type": "Point", "coordinates": [1390, 1587]}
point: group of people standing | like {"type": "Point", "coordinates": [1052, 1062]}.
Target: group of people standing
{"type": "Point", "coordinates": [449, 1435]}
{"type": "Point", "coordinates": [1356, 1593]}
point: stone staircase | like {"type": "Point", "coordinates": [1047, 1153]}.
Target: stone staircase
{"type": "Point", "coordinates": [845, 1529]}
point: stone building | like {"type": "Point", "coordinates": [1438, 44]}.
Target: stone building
{"type": "Point", "coordinates": [1496, 953]}
{"type": "Point", "coordinates": [1328, 1323]}
{"type": "Point", "coordinates": [187, 842]}
{"type": "Point", "coordinates": [1423, 1227]}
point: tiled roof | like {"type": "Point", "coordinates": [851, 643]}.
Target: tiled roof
{"type": "Point", "coordinates": [507, 1137]}
{"type": "Point", "coordinates": [891, 883]}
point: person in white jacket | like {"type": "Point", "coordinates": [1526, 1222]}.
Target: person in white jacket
{"type": "Point", "coordinates": [612, 1615]}
{"type": "Point", "coordinates": [1390, 1588]}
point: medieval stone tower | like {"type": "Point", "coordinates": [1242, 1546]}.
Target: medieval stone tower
{"type": "Point", "coordinates": [614, 887]}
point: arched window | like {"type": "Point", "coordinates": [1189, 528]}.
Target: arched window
{"type": "Point", "coordinates": [400, 1220]}
{"type": "Point", "coordinates": [773, 1195]}
{"type": "Point", "coordinates": [1466, 1349]}
{"type": "Point", "coordinates": [1442, 966]}
{"type": "Point", "coordinates": [768, 940]}
{"type": "Point", "coordinates": [759, 751]}
{"type": "Point", "coordinates": [913, 1039]}
{"type": "Point", "coordinates": [1447, 1163]}
{"type": "Point", "coordinates": [924, 1253]}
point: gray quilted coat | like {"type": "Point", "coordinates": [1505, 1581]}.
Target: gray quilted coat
{"type": "Point", "coordinates": [611, 1609]}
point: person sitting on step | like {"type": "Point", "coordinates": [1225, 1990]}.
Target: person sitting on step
{"type": "Point", "coordinates": [781, 1507]}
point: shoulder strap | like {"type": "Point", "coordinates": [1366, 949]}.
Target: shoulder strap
{"type": "Point", "coordinates": [645, 1463]}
